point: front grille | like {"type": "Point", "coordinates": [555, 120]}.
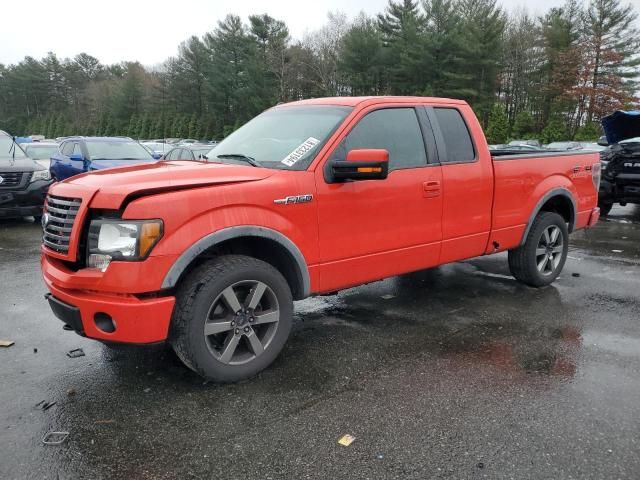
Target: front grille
{"type": "Point", "coordinates": [11, 179]}
{"type": "Point", "coordinates": [61, 213]}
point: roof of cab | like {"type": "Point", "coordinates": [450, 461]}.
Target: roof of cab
{"type": "Point", "coordinates": [355, 101]}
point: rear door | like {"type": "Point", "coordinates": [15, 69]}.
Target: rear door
{"type": "Point", "coordinates": [371, 229]}
{"type": "Point", "coordinates": [467, 176]}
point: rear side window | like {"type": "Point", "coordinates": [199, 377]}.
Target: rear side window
{"type": "Point", "coordinates": [393, 129]}
{"type": "Point", "coordinates": [457, 140]}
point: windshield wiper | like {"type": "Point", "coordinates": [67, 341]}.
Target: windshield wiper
{"type": "Point", "coordinates": [238, 156]}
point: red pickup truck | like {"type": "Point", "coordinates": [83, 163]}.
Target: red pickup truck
{"type": "Point", "coordinates": [308, 198]}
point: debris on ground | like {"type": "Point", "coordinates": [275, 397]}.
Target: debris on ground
{"type": "Point", "coordinates": [35, 350]}
{"type": "Point", "coordinates": [616, 251]}
{"type": "Point", "coordinates": [78, 352]}
{"type": "Point", "coordinates": [346, 440]}
{"type": "Point", "coordinates": [575, 275]}
{"type": "Point", "coordinates": [387, 297]}
{"type": "Point", "coordinates": [104, 422]}
{"type": "Point", "coordinates": [55, 438]}
{"type": "Point", "coordinates": [47, 405]}
{"type": "Point", "coordinates": [6, 343]}
{"type": "Point", "coordinates": [71, 392]}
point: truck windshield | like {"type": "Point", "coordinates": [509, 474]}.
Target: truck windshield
{"type": "Point", "coordinates": [117, 151]}
{"type": "Point", "coordinates": [284, 137]}
{"type": "Point", "coordinates": [8, 149]}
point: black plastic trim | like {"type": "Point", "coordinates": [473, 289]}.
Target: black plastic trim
{"type": "Point", "coordinates": [176, 270]}
{"type": "Point", "coordinates": [556, 192]}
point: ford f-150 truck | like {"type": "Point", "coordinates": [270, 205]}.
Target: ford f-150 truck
{"type": "Point", "coordinates": [308, 198]}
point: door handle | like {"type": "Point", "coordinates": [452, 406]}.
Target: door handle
{"type": "Point", "coordinates": [431, 188]}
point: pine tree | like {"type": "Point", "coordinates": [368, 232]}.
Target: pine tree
{"type": "Point", "coordinates": [555, 131]}
{"type": "Point", "coordinates": [497, 131]}
{"type": "Point", "coordinates": [523, 127]}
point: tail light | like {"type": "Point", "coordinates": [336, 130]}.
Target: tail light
{"type": "Point", "coordinates": [596, 175]}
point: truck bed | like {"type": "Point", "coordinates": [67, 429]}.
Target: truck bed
{"type": "Point", "coordinates": [524, 181]}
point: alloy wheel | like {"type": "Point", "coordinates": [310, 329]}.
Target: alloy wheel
{"type": "Point", "coordinates": [242, 322]}
{"type": "Point", "coordinates": [549, 250]}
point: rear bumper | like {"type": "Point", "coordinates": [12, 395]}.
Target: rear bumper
{"type": "Point", "coordinates": [135, 320]}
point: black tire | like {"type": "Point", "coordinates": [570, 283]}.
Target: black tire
{"type": "Point", "coordinates": [203, 297]}
{"type": "Point", "coordinates": [605, 208]}
{"type": "Point", "coordinates": [525, 261]}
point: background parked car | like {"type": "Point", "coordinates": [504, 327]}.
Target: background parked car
{"type": "Point", "coordinates": [23, 183]}
{"type": "Point", "coordinates": [592, 147]}
{"type": "Point", "coordinates": [517, 148]}
{"type": "Point", "coordinates": [84, 154]}
{"type": "Point", "coordinates": [157, 148]}
{"type": "Point", "coordinates": [41, 152]}
{"type": "Point", "coordinates": [532, 142]}
{"type": "Point", "coordinates": [564, 146]}
{"type": "Point", "coordinates": [189, 152]}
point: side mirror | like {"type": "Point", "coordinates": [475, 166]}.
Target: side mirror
{"type": "Point", "coordinates": [602, 141]}
{"type": "Point", "coordinates": [76, 157]}
{"type": "Point", "coordinates": [361, 164]}
{"type": "Point", "coordinates": [156, 156]}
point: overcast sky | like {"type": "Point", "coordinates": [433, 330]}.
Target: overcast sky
{"type": "Point", "coordinates": [150, 30]}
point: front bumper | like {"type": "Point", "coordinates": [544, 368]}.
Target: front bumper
{"type": "Point", "coordinates": [619, 190]}
{"type": "Point", "coordinates": [24, 203]}
{"type": "Point", "coordinates": [134, 319]}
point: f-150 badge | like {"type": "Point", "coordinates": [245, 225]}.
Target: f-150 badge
{"type": "Point", "coordinates": [294, 199]}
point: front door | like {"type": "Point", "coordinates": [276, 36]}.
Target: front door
{"type": "Point", "coordinates": [371, 229]}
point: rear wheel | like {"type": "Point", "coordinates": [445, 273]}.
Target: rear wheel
{"type": "Point", "coordinates": [540, 260]}
{"type": "Point", "coordinates": [232, 317]}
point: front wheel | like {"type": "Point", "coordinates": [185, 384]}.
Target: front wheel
{"type": "Point", "coordinates": [540, 260]}
{"type": "Point", "coordinates": [232, 318]}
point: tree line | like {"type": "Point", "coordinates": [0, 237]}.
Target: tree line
{"type": "Point", "coordinates": [550, 77]}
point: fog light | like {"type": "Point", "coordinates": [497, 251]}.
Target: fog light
{"type": "Point", "coordinates": [99, 261]}
{"type": "Point", "coordinates": [104, 322]}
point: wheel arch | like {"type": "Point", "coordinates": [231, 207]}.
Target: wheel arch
{"type": "Point", "coordinates": [558, 200]}
{"type": "Point", "coordinates": [259, 242]}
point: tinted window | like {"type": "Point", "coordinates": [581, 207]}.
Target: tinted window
{"type": "Point", "coordinates": [395, 130]}
{"type": "Point", "coordinates": [117, 150]}
{"type": "Point", "coordinates": [67, 148]}
{"type": "Point", "coordinates": [457, 139]}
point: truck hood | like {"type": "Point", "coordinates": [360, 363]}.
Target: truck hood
{"type": "Point", "coordinates": [110, 188]}
{"type": "Point", "coordinates": [621, 125]}
{"type": "Point", "coordinates": [18, 165]}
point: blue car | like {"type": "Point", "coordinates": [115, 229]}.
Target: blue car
{"type": "Point", "coordinates": [85, 154]}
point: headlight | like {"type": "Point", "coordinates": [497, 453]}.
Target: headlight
{"type": "Point", "coordinates": [123, 240]}
{"type": "Point", "coordinates": [40, 175]}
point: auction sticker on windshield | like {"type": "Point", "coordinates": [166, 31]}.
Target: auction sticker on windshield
{"type": "Point", "coordinates": [291, 159]}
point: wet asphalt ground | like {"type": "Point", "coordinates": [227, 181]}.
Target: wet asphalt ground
{"type": "Point", "coordinates": [458, 372]}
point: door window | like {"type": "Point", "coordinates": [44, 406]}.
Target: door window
{"type": "Point", "coordinates": [457, 140]}
{"type": "Point", "coordinates": [76, 149]}
{"type": "Point", "coordinates": [67, 148]}
{"type": "Point", "coordinates": [393, 129]}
